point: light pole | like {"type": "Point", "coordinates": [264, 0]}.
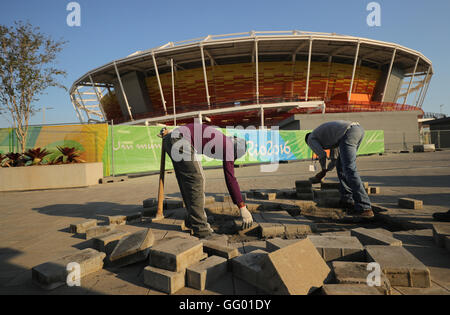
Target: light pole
{"type": "Point", "coordinates": [43, 113]}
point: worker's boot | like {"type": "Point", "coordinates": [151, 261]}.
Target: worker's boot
{"type": "Point", "coordinates": [365, 214]}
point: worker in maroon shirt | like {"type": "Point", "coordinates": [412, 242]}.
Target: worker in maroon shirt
{"type": "Point", "coordinates": [182, 145]}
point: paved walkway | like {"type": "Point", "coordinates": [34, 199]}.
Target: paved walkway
{"type": "Point", "coordinates": [34, 224]}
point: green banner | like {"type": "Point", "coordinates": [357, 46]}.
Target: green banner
{"type": "Point", "coordinates": [136, 149]}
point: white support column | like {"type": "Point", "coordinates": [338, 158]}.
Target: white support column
{"type": "Point", "coordinates": [83, 104]}
{"type": "Point", "coordinates": [257, 71]}
{"type": "Point", "coordinates": [155, 65]}
{"type": "Point", "coordinates": [309, 70]}
{"type": "Point", "coordinates": [74, 104]}
{"type": "Point", "coordinates": [98, 97]}
{"type": "Point", "coordinates": [330, 59]}
{"type": "Point", "coordinates": [412, 79]}
{"type": "Point", "coordinates": [423, 86]}
{"type": "Point", "coordinates": [425, 91]}
{"type": "Point", "coordinates": [205, 77]}
{"type": "Point", "coordinates": [354, 71]}
{"type": "Point", "coordinates": [173, 94]}
{"type": "Point", "coordinates": [389, 75]}
{"type": "Point", "coordinates": [123, 91]}
{"type": "Point", "coordinates": [261, 111]}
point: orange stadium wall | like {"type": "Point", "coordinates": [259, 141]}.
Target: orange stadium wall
{"type": "Point", "coordinates": [236, 82]}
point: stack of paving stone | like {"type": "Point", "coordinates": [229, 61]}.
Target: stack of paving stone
{"type": "Point", "coordinates": [110, 247]}
{"type": "Point", "coordinates": [441, 235]}
{"type": "Point", "coordinates": [350, 255]}
{"type": "Point", "coordinates": [304, 190]}
{"type": "Point", "coordinates": [178, 262]}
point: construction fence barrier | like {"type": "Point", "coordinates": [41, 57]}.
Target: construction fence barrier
{"type": "Point", "coordinates": [137, 149]}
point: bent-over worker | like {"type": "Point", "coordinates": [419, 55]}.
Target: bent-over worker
{"type": "Point", "coordinates": [343, 138]}
{"type": "Point", "coordinates": [182, 144]}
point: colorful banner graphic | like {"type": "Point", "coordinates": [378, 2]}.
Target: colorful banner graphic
{"type": "Point", "coordinates": [137, 149]}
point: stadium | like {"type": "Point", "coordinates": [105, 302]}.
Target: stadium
{"type": "Point", "coordinates": [260, 79]}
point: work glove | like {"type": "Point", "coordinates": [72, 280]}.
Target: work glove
{"type": "Point", "coordinates": [247, 219]}
{"type": "Point", "coordinates": [318, 178]}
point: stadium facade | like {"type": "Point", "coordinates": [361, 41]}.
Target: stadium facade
{"type": "Point", "coordinates": [254, 78]}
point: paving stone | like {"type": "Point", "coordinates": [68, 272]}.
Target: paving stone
{"type": "Point", "coordinates": [286, 193]}
{"type": "Point", "coordinates": [82, 226]}
{"type": "Point", "coordinates": [293, 226]}
{"type": "Point", "coordinates": [277, 243]}
{"type": "Point", "coordinates": [349, 289]}
{"type": "Point", "coordinates": [247, 267]}
{"type": "Point", "coordinates": [296, 269]}
{"type": "Point", "coordinates": [327, 194]}
{"type": "Point", "coordinates": [98, 230]}
{"type": "Point", "coordinates": [306, 205]}
{"type": "Point", "coordinates": [116, 220]}
{"type": "Point", "coordinates": [173, 204]}
{"type": "Point", "coordinates": [209, 200]}
{"type": "Point", "coordinates": [268, 230]}
{"type": "Point", "coordinates": [303, 186]}
{"type": "Point", "coordinates": [150, 202]}
{"type": "Point", "coordinates": [169, 224]}
{"type": "Point", "coordinates": [204, 273]}
{"type": "Point", "coordinates": [409, 203]}
{"type": "Point", "coordinates": [53, 274]}
{"type": "Point", "coordinates": [107, 242]}
{"type": "Point", "coordinates": [331, 248]}
{"type": "Point", "coordinates": [424, 148]}
{"type": "Point", "coordinates": [440, 232]}
{"type": "Point", "coordinates": [163, 280]}
{"type": "Point", "coordinates": [337, 233]}
{"type": "Point", "coordinates": [447, 243]}
{"type": "Point", "coordinates": [227, 198]}
{"type": "Point", "coordinates": [167, 203]}
{"type": "Point", "coordinates": [329, 202]}
{"type": "Point", "coordinates": [134, 217]}
{"type": "Point", "coordinates": [330, 185]}
{"type": "Point", "coordinates": [356, 273]}
{"type": "Point", "coordinates": [399, 266]}
{"type": "Point", "coordinates": [176, 254]}
{"type": "Point", "coordinates": [217, 249]}
{"type": "Point", "coordinates": [374, 237]}
{"type": "Point", "coordinates": [265, 195]}
{"type": "Point", "coordinates": [305, 196]}
{"type": "Point", "coordinates": [132, 248]}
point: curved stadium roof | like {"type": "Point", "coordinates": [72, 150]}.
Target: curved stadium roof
{"type": "Point", "coordinates": [272, 45]}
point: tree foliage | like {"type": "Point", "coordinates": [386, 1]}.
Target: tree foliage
{"type": "Point", "coordinates": [27, 69]}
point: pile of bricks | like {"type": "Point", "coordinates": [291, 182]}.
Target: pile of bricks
{"type": "Point", "coordinates": [349, 254]}
{"type": "Point", "coordinates": [178, 262]}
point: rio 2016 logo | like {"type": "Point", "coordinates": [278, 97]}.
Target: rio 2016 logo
{"type": "Point", "coordinates": [269, 149]}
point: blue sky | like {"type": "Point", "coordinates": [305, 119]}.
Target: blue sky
{"type": "Point", "coordinates": [112, 29]}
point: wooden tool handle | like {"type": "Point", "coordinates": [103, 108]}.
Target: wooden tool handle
{"type": "Point", "coordinates": [162, 170]}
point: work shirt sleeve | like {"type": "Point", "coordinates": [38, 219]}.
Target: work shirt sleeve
{"type": "Point", "coordinates": [232, 183]}
{"type": "Point", "coordinates": [334, 155]}
{"type": "Point", "coordinates": [317, 149]}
